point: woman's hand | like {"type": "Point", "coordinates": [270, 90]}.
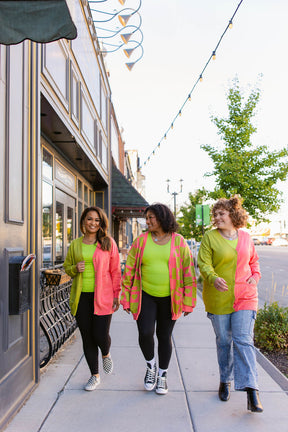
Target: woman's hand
{"type": "Point", "coordinates": [116, 304]}
{"type": "Point", "coordinates": [251, 281]}
{"type": "Point", "coordinates": [127, 310]}
{"type": "Point", "coordinates": [80, 266]}
{"type": "Point", "coordinates": [186, 313]}
{"type": "Point", "coordinates": [220, 284]}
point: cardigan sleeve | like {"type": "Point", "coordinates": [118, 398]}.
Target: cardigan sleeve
{"type": "Point", "coordinates": [254, 262]}
{"type": "Point", "coordinates": [128, 275]}
{"type": "Point", "coordinates": [205, 262]}
{"type": "Point", "coordinates": [115, 269]}
{"type": "Point", "coordinates": [189, 280]}
{"type": "Point", "coordinates": [69, 263]}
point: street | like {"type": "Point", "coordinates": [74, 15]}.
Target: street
{"type": "Point", "coordinates": [273, 285]}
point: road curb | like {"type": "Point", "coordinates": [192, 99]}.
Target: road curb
{"type": "Point", "coordinates": [272, 370]}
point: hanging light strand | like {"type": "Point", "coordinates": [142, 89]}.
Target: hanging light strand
{"type": "Point", "coordinates": [200, 78]}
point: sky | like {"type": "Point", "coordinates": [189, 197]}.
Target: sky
{"type": "Point", "coordinates": [179, 37]}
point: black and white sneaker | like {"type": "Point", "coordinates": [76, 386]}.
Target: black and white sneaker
{"type": "Point", "coordinates": [92, 383]}
{"type": "Point", "coordinates": [161, 386]}
{"type": "Point", "coordinates": [150, 378]}
{"type": "Point", "coordinates": [107, 364]}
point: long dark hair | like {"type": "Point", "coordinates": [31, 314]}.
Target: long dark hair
{"type": "Point", "coordinates": [102, 234]}
{"type": "Point", "coordinates": [164, 216]}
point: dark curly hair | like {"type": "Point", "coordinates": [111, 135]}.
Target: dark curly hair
{"type": "Point", "coordinates": [102, 234]}
{"type": "Point", "coordinates": [233, 205]}
{"type": "Point", "coordinates": [164, 216]}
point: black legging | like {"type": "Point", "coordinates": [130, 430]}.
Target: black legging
{"type": "Point", "coordinates": [156, 310]}
{"type": "Point", "coordinates": [94, 330]}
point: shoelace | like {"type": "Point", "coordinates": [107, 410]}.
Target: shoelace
{"type": "Point", "coordinates": [150, 375]}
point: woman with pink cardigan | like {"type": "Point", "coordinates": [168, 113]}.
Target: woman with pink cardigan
{"type": "Point", "coordinates": [94, 264]}
{"type": "Point", "coordinates": [229, 265]}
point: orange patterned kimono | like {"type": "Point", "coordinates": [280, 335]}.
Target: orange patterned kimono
{"type": "Point", "coordinates": [181, 274]}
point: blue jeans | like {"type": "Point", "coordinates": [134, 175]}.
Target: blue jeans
{"type": "Point", "coordinates": [235, 348]}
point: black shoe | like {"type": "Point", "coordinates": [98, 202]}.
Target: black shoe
{"type": "Point", "coordinates": [253, 401]}
{"type": "Point", "coordinates": [224, 391]}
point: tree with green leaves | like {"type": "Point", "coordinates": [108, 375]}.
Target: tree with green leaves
{"type": "Point", "coordinates": [240, 167]}
{"type": "Point", "coordinates": [187, 221]}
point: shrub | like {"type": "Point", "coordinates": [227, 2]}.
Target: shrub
{"type": "Point", "coordinates": [271, 328]}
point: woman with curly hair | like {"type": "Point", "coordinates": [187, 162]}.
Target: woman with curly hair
{"type": "Point", "coordinates": [229, 265]}
{"type": "Point", "coordinates": [94, 264]}
{"type": "Point", "coordinates": [159, 284]}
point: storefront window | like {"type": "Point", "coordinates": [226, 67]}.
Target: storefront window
{"type": "Point", "coordinates": [47, 220]}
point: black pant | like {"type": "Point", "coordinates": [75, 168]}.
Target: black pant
{"type": "Point", "coordinates": [156, 310]}
{"type": "Point", "coordinates": [94, 330]}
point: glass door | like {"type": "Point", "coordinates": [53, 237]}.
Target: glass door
{"type": "Point", "coordinates": [65, 224]}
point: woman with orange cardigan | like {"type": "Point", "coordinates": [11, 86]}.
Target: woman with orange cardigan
{"type": "Point", "coordinates": [159, 284]}
{"type": "Point", "coordinates": [94, 264]}
{"type": "Point", "coordinates": [228, 262]}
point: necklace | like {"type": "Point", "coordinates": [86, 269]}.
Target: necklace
{"type": "Point", "coordinates": [160, 238]}
{"type": "Point", "coordinates": [233, 237]}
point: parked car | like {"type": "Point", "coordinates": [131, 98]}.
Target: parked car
{"type": "Point", "coordinates": [256, 241]}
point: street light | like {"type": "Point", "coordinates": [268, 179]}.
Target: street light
{"type": "Point", "coordinates": [125, 37]}
{"type": "Point", "coordinates": [175, 193]}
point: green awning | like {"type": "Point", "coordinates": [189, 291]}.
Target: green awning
{"type": "Point", "coordinates": [127, 202]}
{"type": "Point", "coordinates": [38, 20]}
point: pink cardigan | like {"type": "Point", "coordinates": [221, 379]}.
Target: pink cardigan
{"type": "Point", "coordinates": [107, 276]}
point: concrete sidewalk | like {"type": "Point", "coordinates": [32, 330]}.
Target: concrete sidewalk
{"type": "Point", "coordinates": [120, 403]}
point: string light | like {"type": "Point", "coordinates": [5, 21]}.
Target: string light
{"type": "Point", "coordinates": [200, 78]}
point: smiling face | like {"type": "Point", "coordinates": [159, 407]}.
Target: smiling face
{"type": "Point", "coordinates": [222, 219]}
{"type": "Point", "coordinates": [152, 223]}
{"type": "Point", "coordinates": [91, 222]}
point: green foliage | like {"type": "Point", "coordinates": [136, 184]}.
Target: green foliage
{"type": "Point", "coordinates": [241, 168]}
{"type": "Point", "coordinates": [187, 221]}
{"type": "Point", "coordinates": [271, 328]}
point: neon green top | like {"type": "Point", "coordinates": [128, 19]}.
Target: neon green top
{"type": "Point", "coordinates": [88, 281]}
{"type": "Point", "coordinates": [155, 268]}
{"type": "Point", "coordinates": [232, 243]}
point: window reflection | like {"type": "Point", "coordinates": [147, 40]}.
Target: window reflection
{"type": "Point", "coordinates": [59, 232]}
{"type": "Point", "coordinates": [47, 165]}
{"type": "Point", "coordinates": [69, 226]}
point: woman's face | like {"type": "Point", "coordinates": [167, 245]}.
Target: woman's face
{"type": "Point", "coordinates": [222, 219]}
{"type": "Point", "coordinates": [152, 223]}
{"type": "Point", "coordinates": [91, 222]}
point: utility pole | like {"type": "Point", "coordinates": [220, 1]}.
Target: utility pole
{"type": "Point", "coordinates": [174, 193]}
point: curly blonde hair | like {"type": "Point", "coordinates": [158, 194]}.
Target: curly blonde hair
{"type": "Point", "coordinates": [233, 205]}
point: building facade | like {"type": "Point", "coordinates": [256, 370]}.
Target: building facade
{"type": "Point", "coordinates": [55, 147]}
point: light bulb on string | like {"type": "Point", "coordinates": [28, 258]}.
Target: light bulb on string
{"type": "Point", "coordinates": [200, 78]}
